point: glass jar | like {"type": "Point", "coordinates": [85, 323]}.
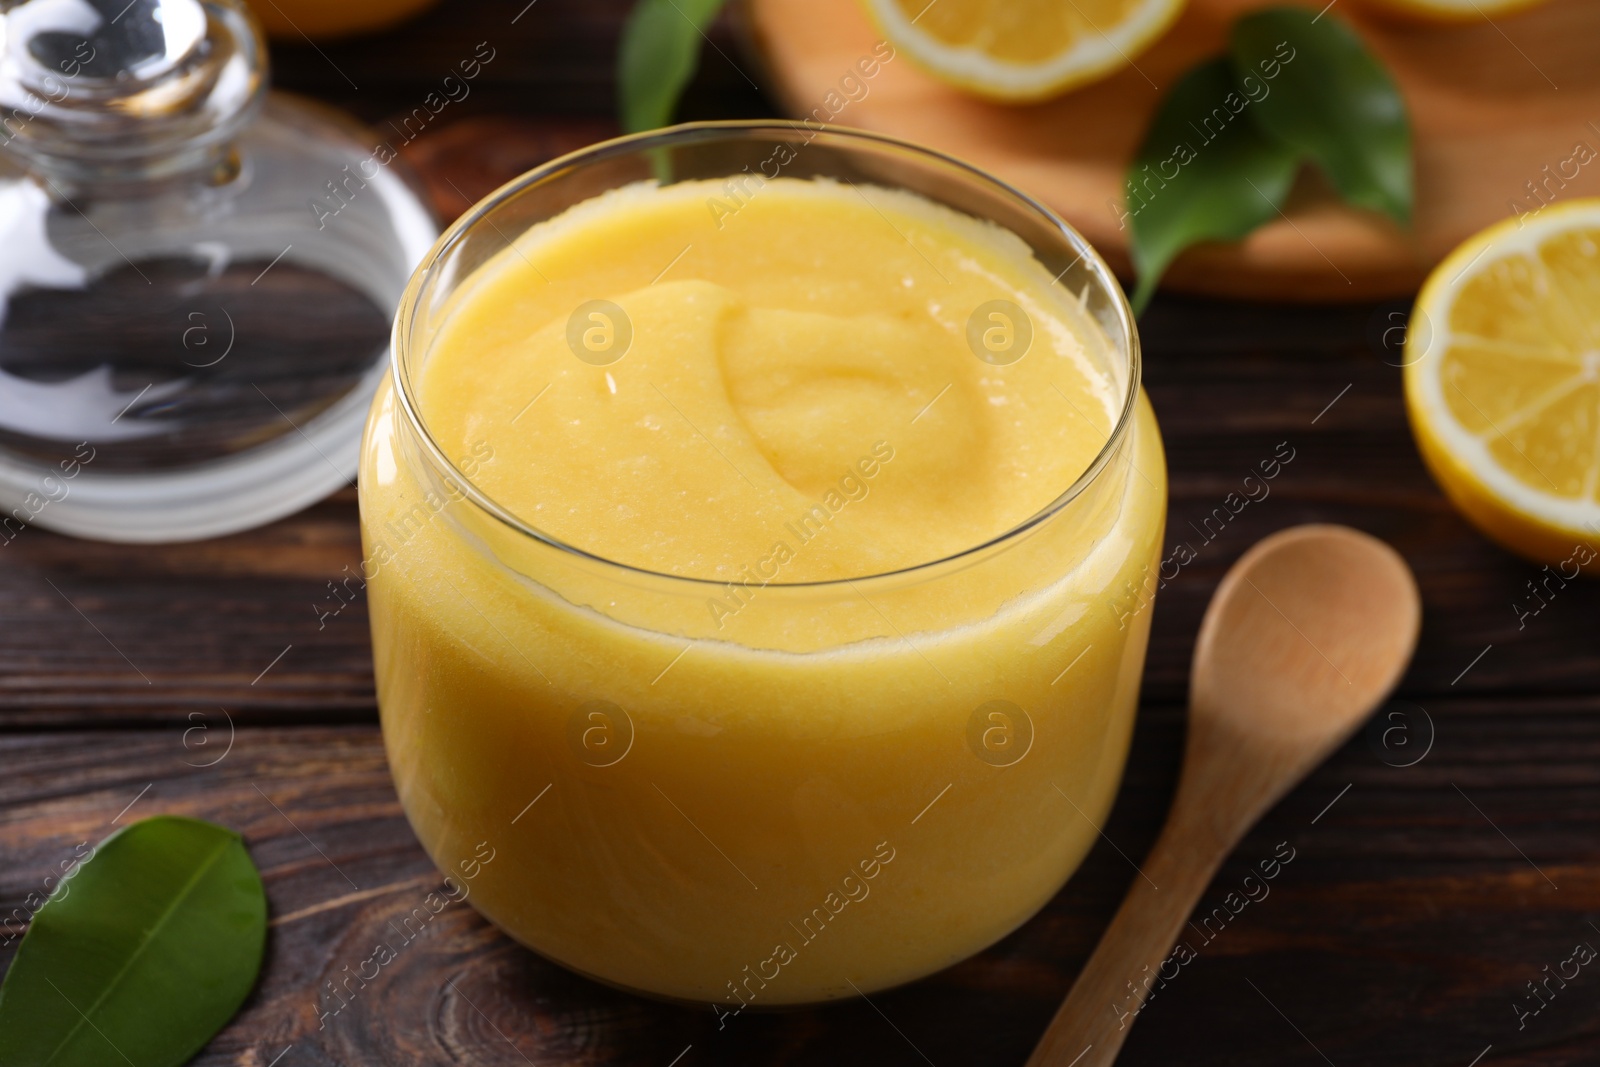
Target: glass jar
{"type": "Point", "coordinates": [838, 787]}
{"type": "Point", "coordinates": [196, 277]}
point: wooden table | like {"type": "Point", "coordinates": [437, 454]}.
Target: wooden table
{"type": "Point", "coordinates": [1420, 901]}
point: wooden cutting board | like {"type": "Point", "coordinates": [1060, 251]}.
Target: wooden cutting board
{"type": "Point", "coordinates": [1493, 103]}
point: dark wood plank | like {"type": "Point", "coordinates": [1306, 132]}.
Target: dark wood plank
{"type": "Point", "coordinates": [97, 633]}
{"type": "Point", "coordinates": [1402, 932]}
{"type": "Point", "coordinates": [557, 58]}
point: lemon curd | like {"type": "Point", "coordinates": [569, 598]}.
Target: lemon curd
{"type": "Point", "coordinates": [762, 573]}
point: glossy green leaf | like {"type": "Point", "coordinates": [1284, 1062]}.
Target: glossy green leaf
{"type": "Point", "coordinates": [1203, 173]}
{"type": "Point", "coordinates": [658, 55]}
{"type": "Point", "coordinates": [141, 956]}
{"type": "Point", "coordinates": [1331, 100]}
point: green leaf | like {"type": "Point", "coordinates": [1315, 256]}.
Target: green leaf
{"type": "Point", "coordinates": [1203, 173]}
{"type": "Point", "coordinates": [141, 956]}
{"type": "Point", "coordinates": [1332, 100]}
{"type": "Point", "coordinates": [659, 51]}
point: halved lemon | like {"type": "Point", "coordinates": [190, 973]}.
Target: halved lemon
{"type": "Point", "coordinates": [1450, 10]}
{"type": "Point", "coordinates": [1022, 50]}
{"type": "Point", "coordinates": [1503, 381]}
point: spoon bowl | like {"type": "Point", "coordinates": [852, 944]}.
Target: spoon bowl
{"type": "Point", "coordinates": [1305, 636]}
{"type": "Point", "coordinates": [1306, 631]}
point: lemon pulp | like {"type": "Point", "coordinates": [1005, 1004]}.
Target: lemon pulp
{"type": "Point", "coordinates": [1503, 385]}
{"type": "Point", "coordinates": [1021, 50]}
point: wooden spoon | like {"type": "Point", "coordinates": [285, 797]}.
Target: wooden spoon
{"type": "Point", "coordinates": [1305, 636]}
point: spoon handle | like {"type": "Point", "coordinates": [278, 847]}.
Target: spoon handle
{"type": "Point", "coordinates": [1127, 966]}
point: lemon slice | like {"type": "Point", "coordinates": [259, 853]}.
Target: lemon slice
{"type": "Point", "coordinates": [1021, 50]}
{"type": "Point", "coordinates": [1503, 381]}
{"type": "Point", "coordinates": [1451, 10]}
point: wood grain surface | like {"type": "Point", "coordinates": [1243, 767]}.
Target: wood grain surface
{"type": "Point", "coordinates": [1404, 931]}
{"type": "Point", "coordinates": [1492, 103]}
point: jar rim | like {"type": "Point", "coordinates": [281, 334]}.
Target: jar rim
{"type": "Point", "coordinates": [701, 132]}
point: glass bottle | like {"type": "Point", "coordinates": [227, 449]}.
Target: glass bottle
{"type": "Point", "coordinates": [197, 276]}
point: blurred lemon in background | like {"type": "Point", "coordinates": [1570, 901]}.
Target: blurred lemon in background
{"type": "Point", "coordinates": [1503, 381]}
{"type": "Point", "coordinates": [1450, 10]}
{"type": "Point", "coordinates": [1022, 50]}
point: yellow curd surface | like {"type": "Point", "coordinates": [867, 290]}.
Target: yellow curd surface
{"type": "Point", "coordinates": [709, 782]}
